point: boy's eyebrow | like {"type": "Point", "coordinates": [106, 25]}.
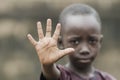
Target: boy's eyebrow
{"type": "Point", "coordinates": [96, 36]}
{"type": "Point", "coordinates": [74, 36]}
{"type": "Point", "coordinates": [77, 37]}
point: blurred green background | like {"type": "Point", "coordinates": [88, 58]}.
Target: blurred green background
{"type": "Point", "coordinates": [18, 59]}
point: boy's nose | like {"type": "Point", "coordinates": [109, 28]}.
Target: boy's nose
{"type": "Point", "coordinates": [84, 50]}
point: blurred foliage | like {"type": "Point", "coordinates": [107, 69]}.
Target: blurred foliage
{"type": "Point", "coordinates": [18, 58]}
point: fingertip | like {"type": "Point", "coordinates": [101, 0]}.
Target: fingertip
{"type": "Point", "coordinates": [49, 22]}
{"type": "Point", "coordinates": [72, 49]}
{"type": "Point", "coordinates": [38, 22]}
{"type": "Point", "coordinates": [68, 51]}
{"type": "Point", "coordinates": [49, 19]}
{"type": "Point", "coordinates": [59, 24]}
{"type": "Point", "coordinates": [31, 39]}
{"type": "Point", "coordinates": [28, 35]}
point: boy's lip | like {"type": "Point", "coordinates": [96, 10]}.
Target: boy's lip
{"type": "Point", "coordinates": [85, 57]}
{"type": "Point", "coordinates": [84, 60]}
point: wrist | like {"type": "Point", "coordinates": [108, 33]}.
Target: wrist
{"type": "Point", "coordinates": [49, 71]}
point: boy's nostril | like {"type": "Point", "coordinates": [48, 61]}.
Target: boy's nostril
{"type": "Point", "coordinates": [84, 53]}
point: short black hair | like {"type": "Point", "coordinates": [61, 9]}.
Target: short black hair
{"type": "Point", "coordinates": [78, 9]}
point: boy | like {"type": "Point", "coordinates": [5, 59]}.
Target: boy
{"type": "Point", "coordinates": [81, 39]}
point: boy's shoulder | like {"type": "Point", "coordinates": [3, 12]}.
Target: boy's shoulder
{"type": "Point", "coordinates": [104, 75]}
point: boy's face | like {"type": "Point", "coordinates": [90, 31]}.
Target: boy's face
{"type": "Point", "coordinates": [83, 33]}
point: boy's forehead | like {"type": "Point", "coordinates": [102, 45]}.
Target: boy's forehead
{"type": "Point", "coordinates": [81, 21]}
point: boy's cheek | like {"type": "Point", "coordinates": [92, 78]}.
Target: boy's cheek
{"type": "Point", "coordinates": [95, 51]}
{"type": "Point", "coordinates": [67, 45]}
{"type": "Point", "coordinates": [95, 46]}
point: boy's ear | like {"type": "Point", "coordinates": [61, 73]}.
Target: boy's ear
{"type": "Point", "coordinates": [60, 43]}
{"type": "Point", "coordinates": [101, 38]}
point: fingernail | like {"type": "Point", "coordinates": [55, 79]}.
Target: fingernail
{"type": "Point", "coordinates": [28, 35]}
{"type": "Point", "coordinates": [38, 22]}
{"type": "Point", "coordinates": [59, 24]}
{"type": "Point", "coordinates": [49, 19]}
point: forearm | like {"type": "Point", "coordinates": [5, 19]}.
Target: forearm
{"type": "Point", "coordinates": [50, 72]}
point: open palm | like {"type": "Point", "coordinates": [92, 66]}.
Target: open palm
{"type": "Point", "coordinates": [46, 47]}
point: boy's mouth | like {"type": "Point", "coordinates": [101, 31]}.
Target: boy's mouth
{"type": "Point", "coordinates": [85, 60]}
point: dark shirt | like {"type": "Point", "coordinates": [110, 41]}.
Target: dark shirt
{"type": "Point", "coordinates": [67, 74]}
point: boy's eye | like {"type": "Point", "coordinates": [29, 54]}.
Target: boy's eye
{"type": "Point", "coordinates": [74, 42]}
{"type": "Point", "coordinates": [92, 40]}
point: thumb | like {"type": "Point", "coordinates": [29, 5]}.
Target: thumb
{"type": "Point", "coordinates": [66, 52]}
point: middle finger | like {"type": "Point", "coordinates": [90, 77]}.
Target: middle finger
{"type": "Point", "coordinates": [48, 28]}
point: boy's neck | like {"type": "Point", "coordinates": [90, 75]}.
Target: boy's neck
{"type": "Point", "coordinates": [86, 71]}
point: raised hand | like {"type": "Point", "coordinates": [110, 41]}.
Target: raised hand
{"type": "Point", "coordinates": [46, 47]}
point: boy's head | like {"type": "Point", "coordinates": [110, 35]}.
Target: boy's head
{"type": "Point", "coordinates": [81, 30]}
